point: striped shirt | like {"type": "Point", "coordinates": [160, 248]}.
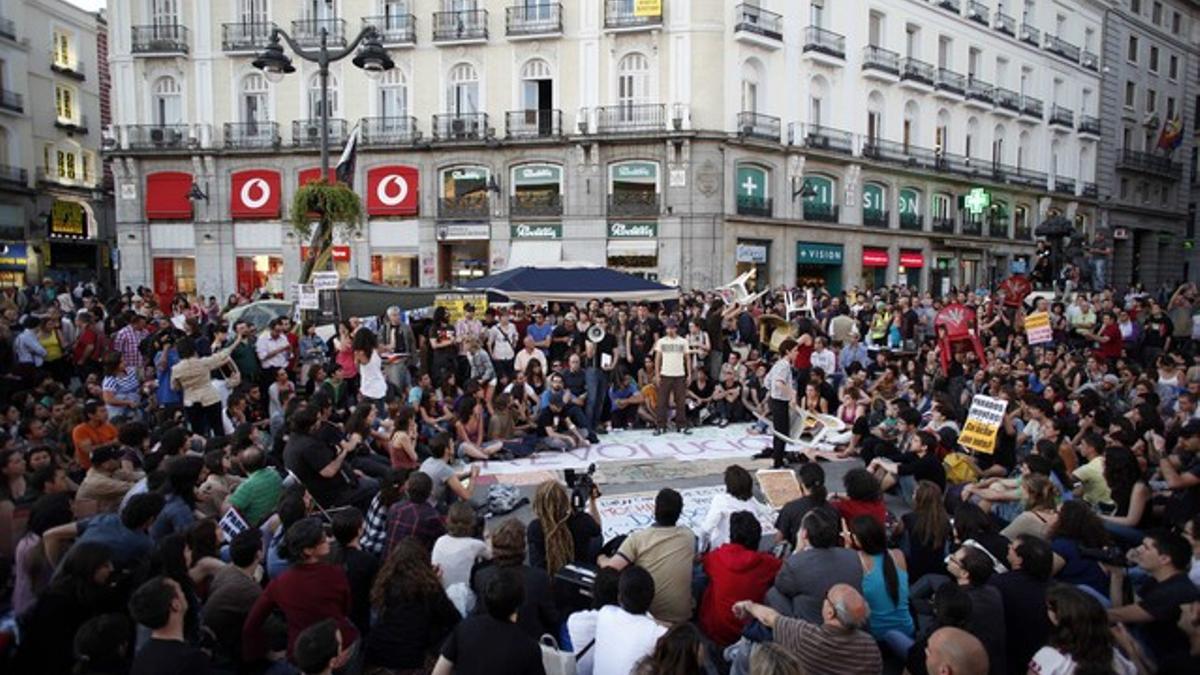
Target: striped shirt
{"type": "Point", "coordinates": [126, 341]}
{"type": "Point", "coordinates": [829, 650]}
{"type": "Point", "coordinates": [779, 380]}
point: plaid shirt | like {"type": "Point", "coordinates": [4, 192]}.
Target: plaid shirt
{"type": "Point", "coordinates": [126, 341]}
{"type": "Point", "coordinates": [408, 519]}
{"type": "Point", "coordinates": [374, 537]}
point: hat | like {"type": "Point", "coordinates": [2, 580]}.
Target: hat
{"type": "Point", "coordinates": [305, 533]}
{"type": "Point", "coordinates": [105, 454]}
{"type": "Point", "coordinates": [1192, 428]}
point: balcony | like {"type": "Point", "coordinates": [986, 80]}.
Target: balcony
{"type": "Point", "coordinates": [377, 131]}
{"type": "Point", "coordinates": [526, 124]}
{"type": "Point", "coordinates": [533, 20]}
{"type": "Point", "coordinates": [980, 92]}
{"type": "Point", "coordinates": [1089, 125]}
{"type": "Point", "coordinates": [73, 69]}
{"type": "Point", "coordinates": [918, 74]}
{"type": "Point", "coordinates": [620, 15]}
{"type": "Point", "coordinates": [1065, 186]}
{"type": "Point", "coordinates": [1062, 117]}
{"type": "Point", "coordinates": [1030, 178]}
{"type": "Point", "coordinates": [1031, 35]}
{"type": "Point", "coordinates": [634, 203]}
{"type": "Point", "coordinates": [252, 135]}
{"type": "Point", "coordinates": [460, 127]}
{"type": "Point", "coordinates": [396, 30]}
{"type": "Point", "coordinates": [997, 228]}
{"type": "Point", "coordinates": [821, 213]}
{"type": "Point", "coordinates": [876, 218]}
{"type": "Point", "coordinates": [14, 175]}
{"type": "Point", "coordinates": [1022, 233]}
{"type": "Point", "coordinates": [906, 154]}
{"type": "Point", "coordinates": [472, 206]}
{"type": "Point", "coordinates": [972, 226]}
{"type": "Point", "coordinates": [763, 127]}
{"type": "Point", "coordinates": [1007, 101]}
{"type": "Point", "coordinates": [979, 12]}
{"type": "Point", "coordinates": [1031, 107]}
{"type": "Point", "coordinates": [535, 205]}
{"type": "Point", "coordinates": [1145, 162]}
{"type": "Point", "coordinates": [249, 38]}
{"type": "Point", "coordinates": [157, 136]}
{"type": "Point", "coordinates": [464, 26]}
{"type": "Point", "coordinates": [817, 137]}
{"type": "Point", "coordinates": [633, 118]}
{"type": "Point", "coordinates": [950, 5]}
{"type": "Point", "coordinates": [75, 125]}
{"type": "Point", "coordinates": [1089, 60]}
{"type": "Point", "coordinates": [758, 207]}
{"type": "Point", "coordinates": [8, 28]}
{"type": "Point", "coordinates": [825, 46]}
{"type": "Point", "coordinates": [949, 83]}
{"type": "Point", "coordinates": [166, 39]}
{"type": "Point", "coordinates": [753, 24]}
{"type": "Point", "coordinates": [881, 64]}
{"type": "Point", "coordinates": [11, 101]}
{"type": "Point", "coordinates": [1090, 191]}
{"type": "Point", "coordinates": [1060, 47]}
{"type": "Point", "coordinates": [942, 225]}
{"type": "Point", "coordinates": [912, 222]}
{"type": "Point", "coordinates": [961, 164]}
{"type": "Point", "coordinates": [1005, 24]}
{"type": "Point", "coordinates": [307, 133]}
{"type": "Point", "coordinates": [308, 32]}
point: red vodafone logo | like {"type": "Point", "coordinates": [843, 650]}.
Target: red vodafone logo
{"type": "Point", "coordinates": [392, 190]}
{"type": "Point", "coordinates": [255, 194]}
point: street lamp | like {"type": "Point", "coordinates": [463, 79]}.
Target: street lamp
{"type": "Point", "coordinates": [372, 58]}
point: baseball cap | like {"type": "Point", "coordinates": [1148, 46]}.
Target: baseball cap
{"type": "Point", "coordinates": [106, 454]}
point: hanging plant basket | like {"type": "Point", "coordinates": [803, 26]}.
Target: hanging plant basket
{"type": "Point", "coordinates": [331, 202]}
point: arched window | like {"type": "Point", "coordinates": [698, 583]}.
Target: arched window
{"type": "Point", "coordinates": [393, 94]}
{"type": "Point", "coordinates": [942, 207]}
{"type": "Point", "coordinates": [912, 125]}
{"type": "Point", "coordinates": [255, 103]}
{"type": "Point", "coordinates": [875, 108]}
{"type": "Point", "coordinates": [820, 199]}
{"type": "Point", "coordinates": [462, 91]}
{"type": "Point", "coordinates": [909, 204]}
{"type": "Point", "coordinates": [1054, 165]}
{"type": "Point", "coordinates": [166, 101]}
{"type": "Point", "coordinates": [164, 12]}
{"type": "Point", "coordinates": [972, 140]}
{"type": "Point", "coordinates": [5, 150]}
{"type": "Point", "coordinates": [941, 133]}
{"type": "Point", "coordinates": [999, 142]}
{"type": "Point", "coordinates": [1085, 164]}
{"type": "Point", "coordinates": [633, 81]}
{"type": "Point", "coordinates": [537, 85]}
{"type": "Point", "coordinates": [751, 86]}
{"type": "Point", "coordinates": [315, 103]}
{"type": "Point", "coordinates": [1024, 158]}
{"type": "Point", "coordinates": [818, 101]}
{"type": "Point", "coordinates": [752, 188]}
{"type": "Point", "coordinates": [874, 205]}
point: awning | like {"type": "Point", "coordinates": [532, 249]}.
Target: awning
{"type": "Point", "coordinates": [633, 247]}
{"type": "Point", "coordinates": [912, 259]}
{"type": "Point", "coordinates": [534, 254]}
{"type": "Point", "coordinates": [875, 257]}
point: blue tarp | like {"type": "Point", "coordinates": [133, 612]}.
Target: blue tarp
{"type": "Point", "coordinates": [571, 284]}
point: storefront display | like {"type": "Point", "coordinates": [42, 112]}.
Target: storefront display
{"type": "Point", "coordinates": [633, 188]}
{"type": "Point", "coordinates": [753, 191]}
{"type": "Point", "coordinates": [633, 248]}
{"type": "Point", "coordinates": [819, 266]}
{"type": "Point", "coordinates": [463, 252]}
{"type": "Point", "coordinates": [754, 254]}
{"type": "Point", "coordinates": [341, 260]}
{"type": "Point", "coordinates": [257, 273]}
{"type": "Point", "coordinates": [173, 276]}
{"type": "Point", "coordinates": [537, 191]}
{"type": "Point", "coordinates": [820, 202]}
{"type": "Point", "coordinates": [874, 209]}
{"type": "Point", "coordinates": [910, 209]}
{"type": "Point", "coordinates": [941, 277]}
{"type": "Point", "coordinates": [874, 268]}
{"type": "Point", "coordinates": [14, 259]}
{"type": "Point", "coordinates": [909, 272]}
{"type": "Point", "coordinates": [395, 270]}
{"type": "Point", "coordinates": [464, 193]}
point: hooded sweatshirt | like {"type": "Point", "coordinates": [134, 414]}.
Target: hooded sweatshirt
{"type": "Point", "coordinates": [735, 573]}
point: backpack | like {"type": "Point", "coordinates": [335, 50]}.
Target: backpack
{"type": "Point", "coordinates": [504, 499]}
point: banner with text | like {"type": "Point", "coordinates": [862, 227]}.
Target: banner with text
{"type": "Point", "coordinates": [1037, 328]}
{"type": "Point", "coordinates": [983, 424]}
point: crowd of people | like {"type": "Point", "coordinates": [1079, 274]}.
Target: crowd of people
{"type": "Point", "coordinates": [184, 495]}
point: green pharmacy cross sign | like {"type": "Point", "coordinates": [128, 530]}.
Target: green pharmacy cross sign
{"type": "Point", "coordinates": [977, 201]}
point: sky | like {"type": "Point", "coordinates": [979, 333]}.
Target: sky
{"type": "Point", "coordinates": [88, 4]}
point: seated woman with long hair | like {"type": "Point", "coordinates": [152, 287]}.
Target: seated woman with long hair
{"type": "Point", "coordinates": [558, 534]}
{"type": "Point", "coordinates": [1130, 493]}
{"type": "Point", "coordinates": [1078, 527]}
{"type": "Point", "coordinates": [1080, 638]}
{"type": "Point", "coordinates": [885, 579]}
{"type": "Point", "coordinates": [927, 532]}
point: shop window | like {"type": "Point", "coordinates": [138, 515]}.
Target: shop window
{"type": "Point", "coordinates": [874, 205]}
{"type": "Point", "coordinates": [752, 189]}
{"type": "Point", "coordinates": [395, 270]}
{"type": "Point", "coordinates": [633, 189]}
{"type": "Point", "coordinates": [537, 190]}
{"type": "Point", "coordinates": [258, 273]}
{"type": "Point", "coordinates": [910, 209]}
{"type": "Point", "coordinates": [464, 192]}
{"type": "Point", "coordinates": [820, 202]}
{"type": "Point", "coordinates": [754, 254]}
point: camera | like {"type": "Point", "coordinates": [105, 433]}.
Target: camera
{"type": "Point", "coordinates": [581, 485]}
{"type": "Point", "coordinates": [1108, 555]}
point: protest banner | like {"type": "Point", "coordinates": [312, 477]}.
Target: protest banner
{"type": "Point", "coordinates": [983, 423]}
{"type": "Point", "coordinates": [454, 305]}
{"type": "Point", "coordinates": [1037, 328]}
{"type": "Point", "coordinates": [622, 514]}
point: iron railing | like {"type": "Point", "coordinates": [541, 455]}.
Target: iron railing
{"type": "Point", "coordinates": [307, 133]}
{"type": "Point", "coordinates": [160, 39]}
{"type": "Point", "coordinates": [533, 123]}
{"type": "Point", "coordinates": [460, 126]}
{"type": "Point", "coordinates": [1149, 163]}
{"type": "Point", "coordinates": [1089, 60]}
{"type": "Point", "coordinates": [979, 90]}
{"type": "Point", "coordinates": [8, 28]}
{"type": "Point", "coordinates": [817, 137]}
{"type": "Point", "coordinates": [11, 100]}
{"type": "Point", "coordinates": [942, 225]}
{"type": "Point", "coordinates": [394, 29]}
{"type": "Point", "coordinates": [77, 124]}
{"type": "Point", "coordinates": [157, 136]}
{"type": "Point", "coordinates": [1063, 117]}
{"type": "Point", "coordinates": [878, 58]}
{"type": "Point", "coordinates": [916, 70]}
{"type": "Point", "coordinates": [1031, 178]}
{"type": "Point", "coordinates": [1031, 35]}
{"type": "Point", "coordinates": [879, 218]}
{"type": "Point", "coordinates": [948, 80]}
{"type": "Point", "coordinates": [621, 14]}
{"type": "Point", "coordinates": [1022, 233]}
{"type": "Point", "coordinates": [467, 24]}
{"type": "Point", "coordinates": [471, 206]}
{"type": "Point", "coordinates": [824, 41]}
{"type": "Point", "coordinates": [978, 12]}
{"type": "Point", "coordinates": [1032, 107]}
{"type": "Point", "coordinates": [754, 19]}
{"type": "Point", "coordinates": [246, 37]}
{"type": "Point", "coordinates": [997, 227]}
{"type": "Point", "coordinates": [821, 213]}
{"type": "Point", "coordinates": [972, 225]}
{"type": "Point", "coordinates": [251, 135]}
{"type": "Point", "coordinates": [538, 19]}
{"type": "Point", "coordinates": [1064, 186]}
{"type": "Point", "coordinates": [307, 32]}
{"type": "Point", "coordinates": [1059, 46]}
{"type": "Point", "coordinates": [400, 129]}
{"type": "Point", "coordinates": [75, 69]}
{"type": "Point", "coordinates": [759, 207]}
{"type": "Point", "coordinates": [1090, 190]}
{"type": "Point", "coordinates": [1008, 99]}
{"type": "Point", "coordinates": [14, 175]}
{"type": "Point", "coordinates": [631, 118]}
{"type": "Point", "coordinates": [900, 153]}
{"type": "Point", "coordinates": [754, 125]}
{"type": "Point", "coordinates": [950, 5]}
{"type": "Point", "coordinates": [624, 203]}
{"type": "Point", "coordinates": [535, 205]}
{"type": "Point", "coordinates": [912, 222]}
{"type": "Point", "coordinates": [1006, 24]}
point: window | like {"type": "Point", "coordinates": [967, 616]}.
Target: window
{"type": "Point", "coordinates": [750, 86]}
{"type": "Point", "coordinates": [912, 41]}
{"type": "Point", "coordinates": [1151, 101]}
{"type": "Point", "coordinates": [974, 62]}
{"type": "Point", "coordinates": [817, 13]}
{"type": "Point", "coordinates": [255, 92]}
{"type": "Point", "coordinates": [1176, 23]}
{"type": "Point", "coordinates": [66, 165]}
{"type": "Point", "coordinates": [316, 103]}
{"type": "Point", "coordinates": [166, 102]}
{"type": "Point", "coordinates": [633, 81]}
{"type": "Point", "coordinates": [1124, 188]}
{"type": "Point", "coordinates": [1060, 25]}
{"type": "Point", "coordinates": [1164, 194]}
{"type": "Point", "coordinates": [164, 12]}
{"type": "Point", "coordinates": [1089, 38]}
{"type": "Point", "coordinates": [875, 30]}
{"type": "Point", "coordinates": [393, 94]}
{"type": "Point", "coordinates": [1153, 59]}
{"type": "Point", "coordinates": [87, 163]}
{"type": "Point", "coordinates": [253, 11]}
{"type": "Point", "coordinates": [1001, 71]}
{"type": "Point", "coordinates": [1130, 93]}
{"type": "Point", "coordinates": [1127, 138]}
{"type": "Point", "coordinates": [942, 207]}
{"type": "Point", "coordinates": [1170, 107]}
{"type": "Point", "coordinates": [1132, 52]}
{"type": "Point", "coordinates": [1156, 13]}
{"type": "Point", "coordinates": [1135, 6]}
{"type": "Point", "coordinates": [64, 53]}
{"type": "Point", "coordinates": [1173, 67]}
{"type": "Point", "coordinates": [945, 51]}
{"type": "Point", "coordinates": [64, 103]}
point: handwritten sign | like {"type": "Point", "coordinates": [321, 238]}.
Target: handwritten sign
{"type": "Point", "coordinates": [307, 297]}
{"type": "Point", "coordinates": [983, 423]}
{"type": "Point", "coordinates": [1037, 328]}
{"type": "Point", "coordinates": [622, 514]}
{"type": "Point", "coordinates": [456, 305]}
{"type": "Point", "coordinates": [325, 281]}
{"type": "Point", "coordinates": [779, 486]}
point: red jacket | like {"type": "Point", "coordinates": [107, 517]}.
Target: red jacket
{"type": "Point", "coordinates": [734, 573]}
{"type": "Point", "coordinates": [306, 594]}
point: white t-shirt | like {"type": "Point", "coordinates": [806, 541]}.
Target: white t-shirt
{"type": "Point", "coordinates": [1050, 661]}
{"type": "Point", "coordinates": [714, 531]}
{"type": "Point", "coordinates": [581, 626]}
{"type": "Point", "coordinates": [266, 344]}
{"type": "Point", "coordinates": [372, 384]}
{"type": "Point", "coordinates": [673, 350]}
{"type": "Point", "coordinates": [623, 639]}
{"type": "Point", "coordinates": [455, 556]}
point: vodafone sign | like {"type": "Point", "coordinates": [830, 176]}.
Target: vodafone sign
{"type": "Point", "coordinates": [392, 190]}
{"type": "Point", "coordinates": [255, 194]}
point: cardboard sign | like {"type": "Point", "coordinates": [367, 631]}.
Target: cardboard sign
{"type": "Point", "coordinates": [983, 424]}
{"type": "Point", "coordinates": [325, 281]}
{"type": "Point", "coordinates": [307, 297]}
{"type": "Point", "coordinates": [454, 305]}
{"type": "Point", "coordinates": [779, 486]}
{"type": "Point", "coordinates": [1037, 328]}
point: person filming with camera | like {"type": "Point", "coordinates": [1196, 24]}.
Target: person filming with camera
{"type": "Point", "coordinates": [563, 532]}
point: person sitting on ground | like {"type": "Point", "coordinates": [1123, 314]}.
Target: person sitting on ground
{"type": "Point", "coordinates": [667, 551]}
{"type": "Point", "coordinates": [885, 578]}
{"type": "Point", "coordinates": [818, 564]}
{"type": "Point", "coordinates": [813, 494]}
{"type": "Point", "coordinates": [346, 526]}
{"type": "Point", "coordinates": [448, 483]}
{"type": "Point", "coordinates": [1080, 640]}
{"type": "Point", "coordinates": [159, 605]}
{"type": "Point", "coordinates": [490, 643]}
{"type": "Point", "coordinates": [1041, 508]}
{"type": "Point", "coordinates": [1164, 556]}
{"type": "Point", "coordinates": [738, 496]}
{"type": "Point", "coordinates": [920, 462]}
{"type": "Point", "coordinates": [457, 551]}
{"type": "Point", "coordinates": [954, 651]}
{"type": "Point", "coordinates": [414, 613]}
{"type": "Point", "coordinates": [105, 483]}
{"type": "Point", "coordinates": [581, 625]}
{"type": "Point", "coordinates": [627, 632]}
{"type": "Point", "coordinates": [126, 536]}
{"type": "Point", "coordinates": [863, 497]}
{"type": "Point", "coordinates": [1023, 592]}
{"type": "Point", "coordinates": [736, 571]}
{"type": "Point", "coordinates": [559, 534]}
{"type": "Point", "coordinates": [414, 516]}
{"type": "Point", "coordinates": [556, 428]}
{"type": "Point", "coordinates": [320, 649]}
{"type": "Point", "coordinates": [537, 615]}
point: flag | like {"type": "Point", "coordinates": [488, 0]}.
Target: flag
{"type": "Point", "coordinates": [1172, 134]}
{"type": "Point", "coordinates": [345, 165]}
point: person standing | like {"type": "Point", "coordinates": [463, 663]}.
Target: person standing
{"type": "Point", "coordinates": [502, 340]}
{"type": "Point", "coordinates": [274, 352]}
{"type": "Point", "coordinates": [400, 346]}
{"type": "Point", "coordinates": [780, 394]}
{"type": "Point", "coordinates": [601, 356]}
{"type": "Point", "coordinates": [1100, 251]}
{"type": "Point", "coordinates": [671, 366]}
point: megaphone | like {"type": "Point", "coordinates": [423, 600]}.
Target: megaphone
{"type": "Point", "coordinates": [595, 333]}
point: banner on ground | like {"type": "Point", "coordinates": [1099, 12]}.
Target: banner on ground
{"type": "Point", "coordinates": [622, 514]}
{"type": "Point", "coordinates": [983, 424]}
{"type": "Point", "coordinates": [1037, 328]}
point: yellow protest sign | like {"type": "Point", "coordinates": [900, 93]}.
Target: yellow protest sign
{"type": "Point", "coordinates": [983, 424]}
{"type": "Point", "coordinates": [1037, 328]}
{"type": "Point", "coordinates": [647, 8]}
{"type": "Point", "coordinates": [454, 305]}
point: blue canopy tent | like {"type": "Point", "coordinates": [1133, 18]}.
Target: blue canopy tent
{"type": "Point", "coordinates": [571, 284]}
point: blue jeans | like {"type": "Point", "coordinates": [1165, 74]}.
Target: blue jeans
{"type": "Point", "coordinates": [1126, 537]}
{"type": "Point", "coordinates": [898, 643]}
{"type": "Point", "coordinates": [596, 381]}
{"type": "Point", "coordinates": [1099, 273]}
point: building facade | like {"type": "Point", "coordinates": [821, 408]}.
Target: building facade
{"type": "Point", "coordinates": [851, 144]}
{"type": "Point", "coordinates": [55, 215]}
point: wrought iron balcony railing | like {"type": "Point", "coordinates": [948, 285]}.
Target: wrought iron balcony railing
{"type": "Point", "coordinates": [394, 29]}
{"type": "Point", "coordinates": [1005, 24]}
{"type": "Point", "coordinates": [626, 203]}
{"type": "Point", "coordinates": [307, 133]}
{"type": "Point", "coordinates": [11, 100]}
{"type": "Point", "coordinates": [622, 14]}
{"type": "Point", "coordinates": [754, 19]}
{"type": "Point", "coordinates": [631, 118]}
{"type": "Point", "coordinates": [1062, 116]}
{"type": "Point", "coordinates": [877, 218]}
{"type": "Point", "coordinates": [825, 42]}
{"type": "Point", "coordinates": [817, 137]}
{"type": "Point", "coordinates": [754, 125]}
{"type": "Point", "coordinates": [397, 130]}
{"type": "Point", "coordinates": [1031, 35]}
{"type": "Point", "coordinates": [534, 19]}
{"type": "Point", "coordinates": [246, 37]}
{"type": "Point", "coordinates": [979, 90]}
{"type": "Point", "coordinates": [158, 136]}
{"type": "Point", "coordinates": [533, 123]}
{"type": "Point", "coordinates": [535, 205]}
{"type": "Point", "coordinates": [759, 207]}
{"type": "Point", "coordinates": [252, 135]}
{"type": "Point", "coordinates": [1008, 99]}
{"type": "Point", "coordinates": [160, 39]}
{"type": "Point", "coordinates": [878, 58]}
{"type": "Point", "coordinates": [1032, 107]}
{"type": "Point", "coordinates": [307, 32]}
{"type": "Point", "coordinates": [467, 24]}
{"type": "Point", "coordinates": [948, 80]}
{"type": "Point", "coordinates": [916, 70]}
{"type": "Point", "coordinates": [472, 206]}
{"type": "Point", "coordinates": [1059, 46]}
{"type": "Point", "coordinates": [460, 127]}
{"type": "Point", "coordinates": [978, 12]}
